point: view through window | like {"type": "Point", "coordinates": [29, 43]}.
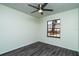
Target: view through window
{"type": "Point", "coordinates": [53, 28]}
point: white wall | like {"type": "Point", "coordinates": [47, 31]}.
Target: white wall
{"type": "Point", "coordinates": [16, 29]}
{"type": "Point", "coordinates": [69, 30]}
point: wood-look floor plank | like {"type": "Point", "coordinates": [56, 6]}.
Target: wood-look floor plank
{"type": "Point", "coordinates": [41, 49]}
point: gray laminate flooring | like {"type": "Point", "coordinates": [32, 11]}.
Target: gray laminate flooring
{"type": "Point", "coordinates": [41, 49]}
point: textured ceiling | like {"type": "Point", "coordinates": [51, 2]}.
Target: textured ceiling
{"type": "Point", "coordinates": [57, 7]}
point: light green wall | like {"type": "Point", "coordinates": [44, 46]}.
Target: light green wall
{"type": "Point", "coordinates": [16, 29]}
{"type": "Point", "coordinates": [69, 29]}
{"type": "Point", "coordinates": [78, 28]}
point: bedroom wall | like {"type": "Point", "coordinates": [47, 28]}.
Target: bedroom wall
{"type": "Point", "coordinates": [17, 29]}
{"type": "Point", "coordinates": [78, 29]}
{"type": "Point", "coordinates": [69, 29]}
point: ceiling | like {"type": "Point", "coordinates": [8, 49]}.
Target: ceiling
{"type": "Point", "coordinates": [57, 7]}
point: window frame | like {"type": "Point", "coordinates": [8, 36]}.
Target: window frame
{"type": "Point", "coordinates": [54, 28]}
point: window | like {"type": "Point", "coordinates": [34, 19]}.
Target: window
{"type": "Point", "coordinates": [53, 28]}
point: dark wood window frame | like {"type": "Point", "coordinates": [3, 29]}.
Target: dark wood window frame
{"type": "Point", "coordinates": [54, 30]}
